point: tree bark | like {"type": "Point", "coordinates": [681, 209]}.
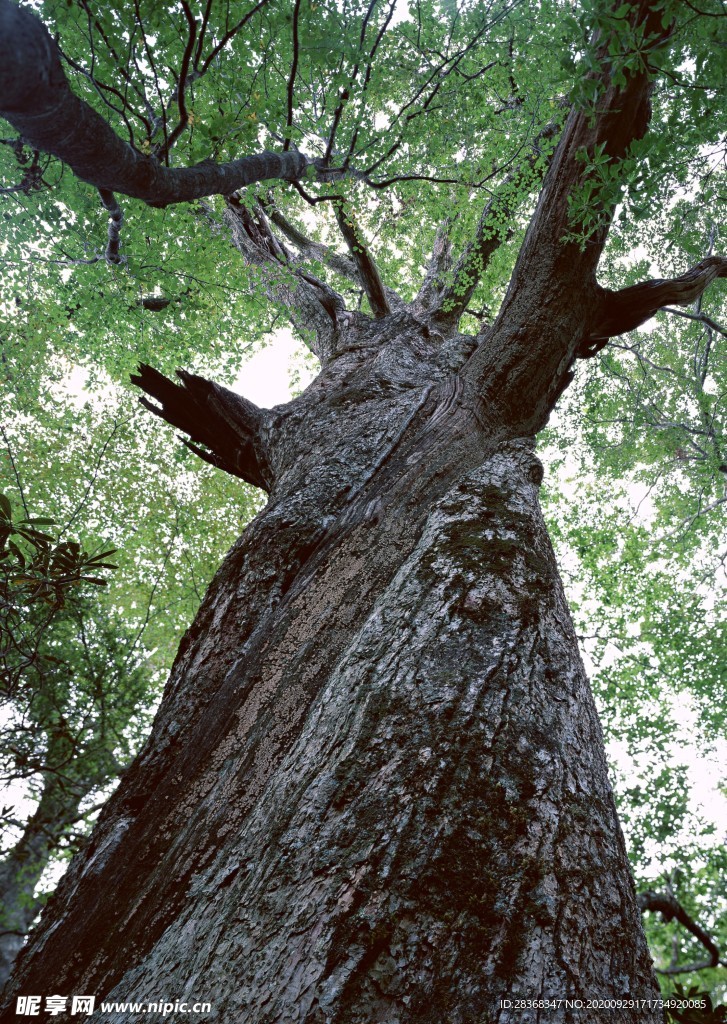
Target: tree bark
{"type": "Point", "coordinates": [376, 787]}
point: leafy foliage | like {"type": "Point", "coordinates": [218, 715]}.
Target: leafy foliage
{"type": "Point", "coordinates": [642, 549]}
{"type": "Point", "coordinates": [74, 697]}
{"type": "Point", "coordinates": [702, 1011]}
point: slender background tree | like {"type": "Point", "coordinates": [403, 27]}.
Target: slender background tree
{"type": "Point", "coordinates": [376, 785]}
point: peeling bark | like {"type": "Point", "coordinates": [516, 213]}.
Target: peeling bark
{"type": "Point", "coordinates": [231, 428]}
{"type": "Point", "coordinates": [313, 306]}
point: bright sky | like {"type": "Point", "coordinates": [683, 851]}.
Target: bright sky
{"type": "Point", "coordinates": [265, 379]}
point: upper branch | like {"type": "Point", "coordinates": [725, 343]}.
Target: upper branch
{"type": "Point", "coordinates": [228, 425]}
{"type": "Point", "coordinates": [440, 261]}
{"type": "Point", "coordinates": [36, 99]}
{"type": "Point", "coordinates": [670, 909]}
{"type": "Point", "coordinates": [524, 362]}
{"type": "Point", "coordinates": [116, 219]}
{"type": "Point", "coordinates": [293, 73]}
{"type": "Point", "coordinates": [229, 34]}
{"type": "Point", "coordinates": [492, 231]}
{"type": "Point", "coordinates": [336, 261]}
{"type": "Point", "coordinates": [313, 306]}
{"type": "Point", "coordinates": [342, 265]}
{"type": "Point", "coordinates": [626, 309]}
{"type": "Point", "coordinates": [181, 98]}
{"type": "Point", "coordinates": [368, 272]}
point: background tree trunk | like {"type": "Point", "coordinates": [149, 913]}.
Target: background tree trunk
{"type": "Point", "coordinates": [376, 787]}
{"type": "Point", "coordinates": [22, 866]}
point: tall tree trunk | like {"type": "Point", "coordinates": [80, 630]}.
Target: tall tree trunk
{"type": "Point", "coordinates": [22, 866]}
{"type": "Point", "coordinates": [376, 787]}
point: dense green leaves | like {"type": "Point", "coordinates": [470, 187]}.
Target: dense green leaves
{"type": "Point", "coordinates": [74, 697]}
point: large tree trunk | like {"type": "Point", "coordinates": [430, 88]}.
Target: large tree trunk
{"type": "Point", "coordinates": [376, 787]}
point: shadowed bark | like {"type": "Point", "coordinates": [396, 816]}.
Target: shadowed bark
{"type": "Point", "coordinates": [230, 427]}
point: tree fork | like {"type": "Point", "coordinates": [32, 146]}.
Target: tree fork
{"type": "Point", "coordinates": [36, 99]}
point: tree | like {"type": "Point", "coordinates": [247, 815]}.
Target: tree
{"type": "Point", "coordinates": [376, 786]}
{"type": "Point", "coordinates": [73, 693]}
{"type": "Point", "coordinates": [81, 662]}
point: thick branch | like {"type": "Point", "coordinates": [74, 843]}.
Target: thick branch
{"type": "Point", "coordinates": [368, 272]}
{"type": "Point", "coordinates": [439, 264]}
{"type": "Point", "coordinates": [311, 304]}
{"type": "Point", "coordinates": [342, 265]}
{"type": "Point", "coordinates": [36, 99]}
{"type": "Point", "coordinates": [337, 262]}
{"type": "Point", "coordinates": [228, 425]}
{"type": "Point", "coordinates": [625, 310]}
{"type": "Point", "coordinates": [670, 909]}
{"type": "Point", "coordinates": [524, 362]}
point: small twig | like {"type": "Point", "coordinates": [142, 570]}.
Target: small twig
{"type": "Point", "coordinates": [16, 473]}
{"type": "Point", "coordinates": [701, 318]}
{"type": "Point", "coordinates": [293, 73]}
{"type": "Point", "coordinates": [94, 476]}
{"type": "Point", "coordinates": [163, 152]}
{"type": "Point", "coordinates": [229, 35]}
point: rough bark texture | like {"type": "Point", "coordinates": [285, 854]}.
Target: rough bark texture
{"type": "Point", "coordinates": [376, 788]}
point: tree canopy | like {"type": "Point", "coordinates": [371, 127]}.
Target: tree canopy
{"type": "Point", "coordinates": [180, 180]}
